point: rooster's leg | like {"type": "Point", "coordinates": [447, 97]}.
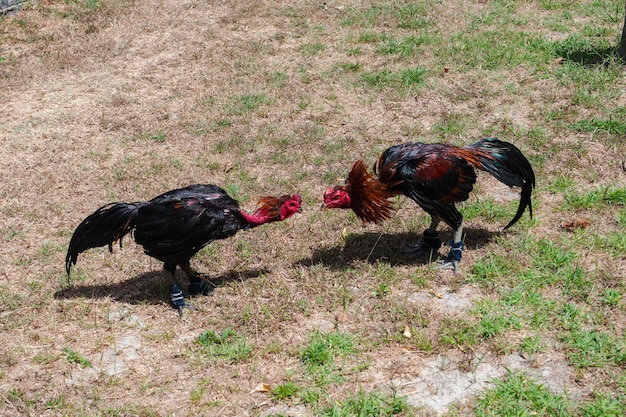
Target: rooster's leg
{"type": "Point", "coordinates": [176, 294]}
{"type": "Point", "coordinates": [429, 243]}
{"type": "Point", "coordinates": [196, 284]}
{"type": "Point", "coordinates": [456, 252]}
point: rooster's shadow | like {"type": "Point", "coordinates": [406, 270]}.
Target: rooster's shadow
{"type": "Point", "coordinates": [150, 287]}
{"type": "Point", "coordinates": [387, 247]}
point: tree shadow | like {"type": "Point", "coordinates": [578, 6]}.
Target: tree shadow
{"type": "Point", "coordinates": [391, 248]}
{"type": "Point", "coordinates": [587, 56]}
{"type": "Point", "coordinates": [151, 287]}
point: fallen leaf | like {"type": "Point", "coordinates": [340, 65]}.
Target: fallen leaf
{"type": "Point", "coordinates": [407, 332]}
{"type": "Point", "coordinates": [341, 318]}
{"type": "Point", "coordinates": [577, 223]}
{"type": "Point", "coordinates": [262, 387]}
{"type": "Point", "coordinates": [437, 294]}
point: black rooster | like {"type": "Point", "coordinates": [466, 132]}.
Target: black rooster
{"type": "Point", "coordinates": [435, 176]}
{"type": "Point", "coordinates": [174, 226]}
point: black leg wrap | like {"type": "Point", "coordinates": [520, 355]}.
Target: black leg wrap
{"type": "Point", "coordinates": [431, 240]}
{"type": "Point", "coordinates": [456, 251]}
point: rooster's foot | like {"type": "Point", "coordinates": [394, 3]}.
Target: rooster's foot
{"type": "Point", "coordinates": [430, 242]}
{"type": "Point", "coordinates": [448, 264]}
{"type": "Point", "coordinates": [454, 257]}
{"type": "Point", "coordinates": [199, 287]}
{"type": "Point", "coordinates": [178, 301]}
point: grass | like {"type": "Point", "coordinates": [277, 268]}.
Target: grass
{"type": "Point", "coordinates": [327, 315]}
{"type": "Point", "coordinates": [595, 199]}
{"type": "Point", "coordinates": [74, 357]}
{"type": "Point", "coordinates": [227, 345]}
{"type": "Point", "coordinates": [320, 354]}
{"type": "Point", "coordinates": [403, 80]}
{"type": "Point", "coordinates": [517, 395]}
{"type": "Point", "coordinates": [283, 391]}
{"type": "Point", "coordinates": [367, 404]}
{"type": "Point", "coordinates": [594, 349]}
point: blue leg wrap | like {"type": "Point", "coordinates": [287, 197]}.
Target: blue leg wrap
{"type": "Point", "coordinates": [176, 295]}
{"type": "Point", "coordinates": [456, 251]}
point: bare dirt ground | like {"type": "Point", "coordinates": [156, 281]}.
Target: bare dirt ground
{"type": "Point", "coordinates": [130, 100]}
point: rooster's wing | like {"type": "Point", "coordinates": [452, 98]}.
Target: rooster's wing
{"type": "Point", "coordinates": [176, 225]}
{"type": "Point", "coordinates": [435, 176]}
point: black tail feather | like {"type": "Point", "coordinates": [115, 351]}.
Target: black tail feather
{"type": "Point", "coordinates": [509, 166]}
{"type": "Point", "coordinates": [106, 225]}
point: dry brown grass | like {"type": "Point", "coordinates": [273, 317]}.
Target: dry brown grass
{"type": "Point", "coordinates": [131, 98]}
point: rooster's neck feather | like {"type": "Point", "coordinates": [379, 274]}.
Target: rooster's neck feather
{"type": "Point", "coordinates": [369, 197]}
{"type": "Point", "coordinates": [268, 210]}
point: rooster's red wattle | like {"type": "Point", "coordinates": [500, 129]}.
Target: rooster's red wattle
{"type": "Point", "coordinates": [174, 226]}
{"type": "Point", "coordinates": [435, 176]}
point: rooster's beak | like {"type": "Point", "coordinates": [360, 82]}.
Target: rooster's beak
{"type": "Point", "coordinates": [323, 206]}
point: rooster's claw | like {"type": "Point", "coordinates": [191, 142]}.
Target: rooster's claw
{"type": "Point", "coordinates": [178, 301]}
{"type": "Point", "coordinates": [199, 287]}
{"type": "Point", "coordinates": [428, 244]}
{"type": "Point", "coordinates": [417, 249]}
{"type": "Point", "coordinates": [448, 264]}
{"type": "Point", "coordinates": [453, 258]}
{"type": "Point", "coordinates": [184, 307]}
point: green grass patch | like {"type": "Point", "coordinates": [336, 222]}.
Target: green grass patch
{"type": "Point", "coordinates": [227, 345]}
{"type": "Point", "coordinates": [368, 404]}
{"type": "Point", "coordinates": [547, 255]}
{"type": "Point", "coordinates": [157, 137]}
{"type": "Point", "coordinates": [531, 345]}
{"type": "Point", "coordinates": [325, 355]}
{"type": "Point", "coordinates": [604, 405]}
{"type": "Point", "coordinates": [394, 14]}
{"type": "Point", "coordinates": [594, 199]}
{"type": "Point", "coordinates": [312, 48]}
{"type": "Point", "coordinates": [402, 80]}
{"type": "Point", "coordinates": [594, 349]}
{"type": "Point", "coordinates": [74, 357]}
{"type": "Point", "coordinates": [561, 183]}
{"type": "Point", "coordinates": [489, 270]}
{"type": "Point", "coordinates": [576, 283]}
{"type": "Point", "coordinates": [349, 66]}
{"type": "Point", "coordinates": [285, 390]}
{"type": "Point", "coordinates": [244, 104]}
{"type": "Point", "coordinates": [519, 395]}
{"type": "Point", "coordinates": [495, 324]}
{"type": "Point", "coordinates": [323, 348]}
{"type": "Point", "coordinates": [610, 125]}
{"type": "Point", "coordinates": [455, 332]}
{"type": "Point", "coordinates": [487, 209]}
{"type": "Point", "coordinates": [496, 50]}
{"type": "Point", "coordinates": [405, 47]}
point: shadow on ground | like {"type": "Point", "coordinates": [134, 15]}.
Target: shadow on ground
{"type": "Point", "coordinates": [150, 287]}
{"type": "Point", "coordinates": [587, 56]}
{"type": "Point", "coordinates": [375, 247]}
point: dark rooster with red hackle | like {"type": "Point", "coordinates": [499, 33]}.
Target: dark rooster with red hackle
{"type": "Point", "coordinates": [435, 176]}
{"type": "Point", "coordinates": [174, 226]}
